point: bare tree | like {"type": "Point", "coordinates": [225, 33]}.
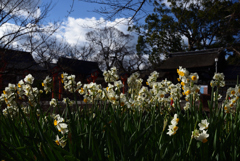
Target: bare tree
{"type": "Point", "coordinates": [19, 18]}
{"type": "Point", "coordinates": [111, 9]}
{"type": "Point", "coordinates": [77, 51]}
{"type": "Point", "coordinates": [114, 48]}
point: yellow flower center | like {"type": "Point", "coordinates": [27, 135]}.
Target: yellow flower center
{"type": "Point", "coordinates": [175, 128]}
{"type": "Point", "coordinates": [194, 78]}
{"type": "Point", "coordinates": [204, 140]}
{"type": "Point", "coordinates": [4, 92]}
{"type": "Point", "coordinates": [181, 73]}
{"type": "Point", "coordinates": [232, 92]}
{"type": "Point", "coordinates": [162, 95]}
{"type": "Point", "coordinates": [182, 83]}
{"type": "Point", "coordinates": [178, 79]}
{"type": "Point", "coordinates": [62, 76]}
{"type": "Point", "coordinates": [19, 85]}
{"type": "Point", "coordinates": [43, 84]}
{"type": "Point", "coordinates": [85, 100]}
{"type": "Point", "coordinates": [55, 123]}
{"type": "Point", "coordinates": [122, 104]}
{"type": "Point", "coordinates": [107, 88]}
{"type": "Point", "coordinates": [57, 142]}
{"type": "Point", "coordinates": [147, 83]}
{"type": "Point", "coordinates": [177, 119]}
{"type": "Point", "coordinates": [187, 92]}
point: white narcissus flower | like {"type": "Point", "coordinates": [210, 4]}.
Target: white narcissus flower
{"type": "Point", "coordinates": [202, 136]}
{"type": "Point", "coordinates": [195, 133]}
{"type": "Point", "coordinates": [173, 127]}
{"type": "Point", "coordinates": [118, 84]}
{"type": "Point", "coordinates": [62, 127]}
{"type": "Point", "coordinates": [187, 106]}
{"type": "Point", "coordinates": [231, 92]}
{"type": "Point", "coordinates": [194, 77]}
{"type": "Point", "coordinates": [172, 130]}
{"type": "Point", "coordinates": [53, 102]}
{"type": "Point", "coordinates": [218, 76]}
{"type": "Point", "coordinates": [175, 120]}
{"type": "Point", "coordinates": [60, 142]}
{"type": "Point", "coordinates": [203, 125]}
{"type": "Point", "coordinates": [182, 72]}
{"type": "Point", "coordinates": [29, 79]}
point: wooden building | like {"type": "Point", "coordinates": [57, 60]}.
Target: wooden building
{"type": "Point", "coordinates": [203, 62]}
{"type": "Point", "coordinates": [15, 65]}
{"type": "Point", "coordinates": [84, 71]}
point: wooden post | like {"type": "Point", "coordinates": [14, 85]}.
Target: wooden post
{"type": "Point", "coordinates": [59, 88]}
{"type": "Point", "coordinates": [124, 79]}
{"type": "Point", "coordinates": [54, 83]}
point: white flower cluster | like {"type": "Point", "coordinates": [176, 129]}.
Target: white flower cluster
{"type": "Point", "coordinates": [202, 134]}
{"type": "Point", "coordinates": [62, 127]}
{"type": "Point", "coordinates": [70, 83]}
{"type": "Point", "coordinates": [218, 80]}
{"type": "Point", "coordinates": [232, 96]}
{"type": "Point", "coordinates": [47, 84]}
{"type": "Point", "coordinates": [91, 92]}
{"type": "Point", "coordinates": [188, 81]}
{"type": "Point", "coordinates": [111, 75]}
{"type": "Point", "coordinates": [134, 84]}
{"type": "Point", "coordinates": [172, 129]}
{"type": "Point", "coordinates": [67, 101]}
{"type": "Point", "coordinates": [22, 90]}
{"type": "Point", "coordinates": [152, 78]}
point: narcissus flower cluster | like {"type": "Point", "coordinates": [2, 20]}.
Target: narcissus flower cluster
{"type": "Point", "coordinates": [70, 83]}
{"type": "Point", "coordinates": [47, 84]}
{"type": "Point", "coordinates": [172, 129]}
{"type": "Point", "coordinates": [188, 82]}
{"type": "Point", "coordinates": [201, 134]}
{"type": "Point", "coordinates": [23, 90]}
{"type": "Point", "coordinates": [62, 127]}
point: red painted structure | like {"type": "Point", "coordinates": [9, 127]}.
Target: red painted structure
{"type": "Point", "coordinates": [124, 79]}
{"type": "Point", "coordinates": [94, 75]}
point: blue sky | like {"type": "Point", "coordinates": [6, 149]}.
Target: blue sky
{"type": "Point", "coordinates": [82, 20]}
{"type": "Point", "coordinates": [80, 9]}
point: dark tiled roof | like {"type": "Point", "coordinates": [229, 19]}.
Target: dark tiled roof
{"type": "Point", "coordinates": [193, 59]}
{"type": "Point", "coordinates": [19, 60]}
{"type": "Point", "coordinates": [78, 66]}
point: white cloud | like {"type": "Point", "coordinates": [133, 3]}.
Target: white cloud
{"type": "Point", "coordinates": [24, 8]}
{"type": "Point", "coordinates": [75, 29]}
